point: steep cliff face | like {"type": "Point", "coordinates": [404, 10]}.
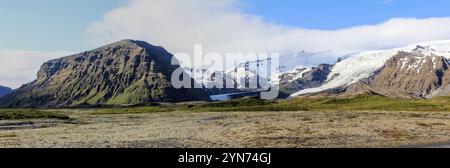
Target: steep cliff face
{"type": "Point", "coordinates": [125, 72]}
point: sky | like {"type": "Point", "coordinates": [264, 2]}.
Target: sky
{"type": "Point", "coordinates": [33, 32]}
{"type": "Point", "coordinates": [332, 14]}
{"type": "Point", "coordinates": [48, 25]}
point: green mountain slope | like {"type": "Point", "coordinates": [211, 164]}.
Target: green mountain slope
{"type": "Point", "coordinates": [125, 72]}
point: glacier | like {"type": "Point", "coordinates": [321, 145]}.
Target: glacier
{"type": "Point", "coordinates": [364, 64]}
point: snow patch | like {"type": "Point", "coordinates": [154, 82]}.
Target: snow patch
{"type": "Point", "coordinates": [365, 64]}
{"type": "Point", "coordinates": [298, 73]}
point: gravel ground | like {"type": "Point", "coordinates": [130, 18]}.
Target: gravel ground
{"type": "Point", "coordinates": [230, 130]}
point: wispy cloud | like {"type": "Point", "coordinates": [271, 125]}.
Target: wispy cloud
{"type": "Point", "coordinates": [19, 67]}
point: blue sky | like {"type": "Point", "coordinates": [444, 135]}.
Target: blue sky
{"type": "Point", "coordinates": [47, 25]}
{"type": "Point", "coordinates": [335, 14]}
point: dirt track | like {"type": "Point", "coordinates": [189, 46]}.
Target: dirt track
{"type": "Point", "coordinates": [239, 129]}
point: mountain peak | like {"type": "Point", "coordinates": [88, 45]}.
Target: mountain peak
{"type": "Point", "coordinates": [129, 40]}
{"type": "Point", "coordinates": [426, 50]}
{"type": "Point", "coordinates": [133, 43]}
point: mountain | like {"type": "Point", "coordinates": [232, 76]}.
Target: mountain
{"type": "Point", "coordinates": [125, 72]}
{"type": "Point", "coordinates": [409, 75]}
{"type": "Point", "coordinates": [415, 71]}
{"type": "Point", "coordinates": [406, 75]}
{"type": "Point", "coordinates": [4, 90]}
{"type": "Point", "coordinates": [303, 78]}
{"type": "Point", "coordinates": [242, 78]}
{"type": "Point", "coordinates": [289, 66]}
{"type": "Point", "coordinates": [305, 59]}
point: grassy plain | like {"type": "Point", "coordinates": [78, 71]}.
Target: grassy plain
{"type": "Point", "coordinates": [358, 121]}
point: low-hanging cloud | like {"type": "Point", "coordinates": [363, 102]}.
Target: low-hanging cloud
{"type": "Point", "coordinates": [19, 67]}
{"type": "Point", "coordinates": [222, 26]}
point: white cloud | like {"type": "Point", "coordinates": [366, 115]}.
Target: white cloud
{"type": "Point", "coordinates": [179, 24]}
{"type": "Point", "coordinates": [221, 26]}
{"type": "Point", "coordinates": [20, 67]}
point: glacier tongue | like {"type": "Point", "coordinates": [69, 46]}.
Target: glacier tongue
{"type": "Point", "coordinates": [365, 64]}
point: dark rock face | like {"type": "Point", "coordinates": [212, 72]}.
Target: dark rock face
{"type": "Point", "coordinates": [411, 75]}
{"type": "Point", "coordinates": [4, 90]}
{"type": "Point", "coordinates": [304, 78]}
{"type": "Point", "coordinates": [125, 72]}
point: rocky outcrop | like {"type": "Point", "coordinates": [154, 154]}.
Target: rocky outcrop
{"type": "Point", "coordinates": [125, 72]}
{"type": "Point", "coordinates": [304, 78]}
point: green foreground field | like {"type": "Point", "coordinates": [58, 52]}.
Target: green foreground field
{"type": "Point", "coordinates": [354, 103]}
{"type": "Point", "coordinates": [371, 103]}
{"type": "Point", "coordinates": [18, 114]}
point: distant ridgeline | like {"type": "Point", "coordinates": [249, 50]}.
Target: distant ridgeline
{"type": "Point", "coordinates": [4, 90]}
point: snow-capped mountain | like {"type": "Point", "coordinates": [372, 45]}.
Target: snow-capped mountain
{"type": "Point", "coordinates": [367, 64]}
{"type": "Point", "coordinates": [289, 63]}
{"type": "Point", "coordinates": [251, 75]}
{"type": "Point", "coordinates": [303, 78]}
{"type": "Point", "coordinates": [291, 68]}
{"type": "Point", "coordinates": [409, 75]}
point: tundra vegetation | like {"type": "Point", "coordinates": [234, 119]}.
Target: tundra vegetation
{"type": "Point", "coordinates": [354, 121]}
